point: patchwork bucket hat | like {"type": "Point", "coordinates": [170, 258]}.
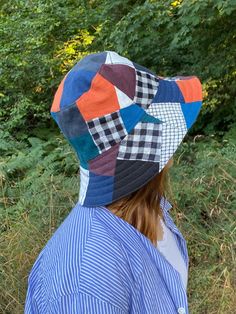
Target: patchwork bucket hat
{"type": "Point", "coordinates": [123, 121]}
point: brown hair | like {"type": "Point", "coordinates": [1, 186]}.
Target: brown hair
{"type": "Point", "coordinates": [142, 207]}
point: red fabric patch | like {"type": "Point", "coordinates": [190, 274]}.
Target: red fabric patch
{"type": "Point", "coordinates": [57, 98]}
{"type": "Point", "coordinates": [191, 89]}
{"type": "Point", "coordinates": [99, 100]}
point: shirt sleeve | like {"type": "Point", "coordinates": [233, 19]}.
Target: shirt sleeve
{"type": "Point", "coordinates": [81, 302]}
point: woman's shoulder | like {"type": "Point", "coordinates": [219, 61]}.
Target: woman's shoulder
{"type": "Point", "coordinates": [77, 269]}
{"type": "Point", "coordinates": [82, 255]}
{"type": "Point", "coordinates": [89, 235]}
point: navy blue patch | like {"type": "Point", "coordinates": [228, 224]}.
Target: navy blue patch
{"type": "Point", "coordinates": [71, 122]}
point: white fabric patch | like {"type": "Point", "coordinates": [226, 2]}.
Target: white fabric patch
{"type": "Point", "coordinates": [169, 248]}
{"type": "Point", "coordinates": [84, 181]}
{"type": "Point", "coordinates": [123, 99]}
{"type": "Point", "coordinates": [115, 58]}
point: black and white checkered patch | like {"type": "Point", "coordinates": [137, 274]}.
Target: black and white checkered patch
{"type": "Point", "coordinates": [168, 112]}
{"type": "Point", "coordinates": [146, 88]}
{"type": "Point", "coordinates": [142, 143]}
{"type": "Point", "coordinates": [174, 128]}
{"type": "Point", "coordinates": [107, 130]}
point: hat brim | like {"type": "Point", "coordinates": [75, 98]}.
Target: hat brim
{"type": "Point", "coordinates": [129, 176]}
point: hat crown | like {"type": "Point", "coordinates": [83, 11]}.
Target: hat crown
{"type": "Point", "coordinates": [103, 92]}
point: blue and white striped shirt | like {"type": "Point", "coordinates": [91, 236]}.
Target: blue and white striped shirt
{"type": "Point", "coordinates": [97, 262]}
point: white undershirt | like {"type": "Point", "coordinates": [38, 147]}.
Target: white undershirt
{"type": "Point", "coordinates": [169, 248]}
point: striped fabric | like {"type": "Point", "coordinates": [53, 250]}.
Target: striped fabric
{"type": "Point", "coordinates": [97, 262]}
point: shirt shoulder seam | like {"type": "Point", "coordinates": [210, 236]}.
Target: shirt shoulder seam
{"type": "Point", "coordinates": [85, 293]}
{"type": "Point", "coordinates": [87, 240]}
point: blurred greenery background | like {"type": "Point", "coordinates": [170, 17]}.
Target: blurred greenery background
{"type": "Point", "coordinates": [40, 41]}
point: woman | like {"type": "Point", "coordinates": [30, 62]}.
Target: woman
{"type": "Point", "coordinates": [118, 251]}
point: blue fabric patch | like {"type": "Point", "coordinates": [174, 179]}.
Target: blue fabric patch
{"type": "Point", "coordinates": [91, 62]}
{"type": "Point", "coordinates": [106, 184]}
{"type": "Point", "coordinates": [191, 111]}
{"type": "Point", "coordinates": [71, 122]}
{"type": "Point", "coordinates": [85, 148]}
{"type": "Point", "coordinates": [74, 87]}
{"type": "Point", "coordinates": [168, 91]}
{"type": "Point", "coordinates": [149, 118]}
{"type": "Point", "coordinates": [131, 116]}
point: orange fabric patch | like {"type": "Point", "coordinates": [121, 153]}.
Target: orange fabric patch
{"type": "Point", "coordinates": [57, 98]}
{"type": "Point", "coordinates": [191, 89]}
{"type": "Point", "coordinates": [99, 100]}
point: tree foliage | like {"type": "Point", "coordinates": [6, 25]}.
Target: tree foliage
{"type": "Point", "coordinates": [42, 40]}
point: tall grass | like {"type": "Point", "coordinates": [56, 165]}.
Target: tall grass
{"type": "Point", "coordinates": [204, 187]}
